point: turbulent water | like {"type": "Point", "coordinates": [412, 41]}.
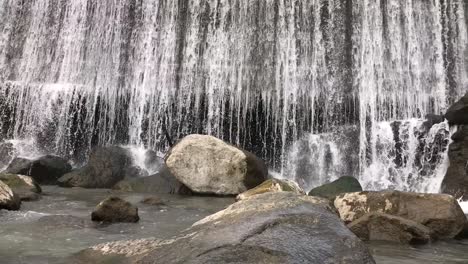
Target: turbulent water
{"type": "Point", "coordinates": [261, 74]}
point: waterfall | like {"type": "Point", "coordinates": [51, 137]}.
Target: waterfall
{"type": "Point", "coordinates": [263, 74]}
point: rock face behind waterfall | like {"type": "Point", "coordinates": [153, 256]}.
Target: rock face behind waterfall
{"type": "Point", "coordinates": [280, 227]}
{"type": "Point", "coordinates": [441, 213]}
{"type": "Point", "coordinates": [208, 165]}
{"type": "Point", "coordinates": [45, 170]}
{"type": "Point", "coordinates": [457, 114]}
{"type": "Point", "coordinates": [456, 178]}
{"type": "Point", "coordinates": [106, 167]}
{"type": "Point", "coordinates": [8, 199]}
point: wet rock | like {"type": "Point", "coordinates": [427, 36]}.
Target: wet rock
{"type": "Point", "coordinates": [24, 187]}
{"type": "Point", "coordinates": [153, 162]}
{"type": "Point", "coordinates": [44, 170]}
{"type": "Point", "coordinates": [383, 227]}
{"type": "Point", "coordinates": [153, 200]}
{"type": "Point", "coordinates": [280, 227]}
{"type": "Point", "coordinates": [464, 233]}
{"type": "Point", "coordinates": [134, 172]}
{"type": "Point", "coordinates": [116, 252]}
{"type": "Point", "coordinates": [160, 183]}
{"type": "Point", "coordinates": [272, 185]}
{"type": "Point", "coordinates": [106, 167]}
{"type": "Point", "coordinates": [208, 165]}
{"type": "Point", "coordinates": [432, 120]}
{"type": "Point", "coordinates": [115, 209]}
{"type": "Point", "coordinates": [456, 179]}
{"type": "Point", "coordinates": [441, 213]}
{"type": "Point", "coordinates": [457, 114]}
{"type": "Point", "coordinates": [342, 185]}
{"type": "Point", "coordinates": [8, 199]}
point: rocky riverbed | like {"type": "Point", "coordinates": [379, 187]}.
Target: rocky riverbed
{"type": "Point", "coordinates": [57, 226]}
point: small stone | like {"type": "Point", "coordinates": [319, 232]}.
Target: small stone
{"type": "Point", "coordinates": [115, 209]}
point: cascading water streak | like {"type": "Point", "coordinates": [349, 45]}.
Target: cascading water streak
{"type": "Point", "coordinates": [260, 74]}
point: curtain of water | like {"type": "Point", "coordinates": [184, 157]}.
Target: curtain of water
{"type": "Point", "coordinates": [260, 74]}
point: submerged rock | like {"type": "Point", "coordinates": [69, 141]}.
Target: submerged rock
{"type": "Point", "coordinates": [383, 227]}
{"type": "Point", "coordinates": [153, 200]}
{"type": "Point", "coordinates": [115, 209]}
{"type": "Point", "coordinates": [272, 185]}
{"type": "Point", "coordinates": [160, 183]}
{"type": "Point", "coordinates": [457, 114]}
{"type": "Point", "coordinates": [208, 165]}
{"type": "Point", "coordinates": [106, 167]}
{"type": "Point", "coordinates": [332, 189]}
{"type": "Point", "coordinates": [280, 227]}
{"type": "Point", "coordinates": [8, 199]}
{"type": "Point", "coordinates": [24, 186]}
{"type": "Point", "coordinates": [441, 213]}
{"type": "Point", "coordinates": [45, 170]}
{"type": "Point", "coordinates": [456, 179]}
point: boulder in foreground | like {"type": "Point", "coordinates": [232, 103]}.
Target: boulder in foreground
{"type": "Point", "coordinates": [332, 189]}
{"type": "Point", "coordinates": [280, 227]}
{"type": "Point", "coordinates": [384, 227]}
{"type": "Point", "coordinates": [208, 165]}
{"type": "Point", "coordinates": [441, 213]}
{"type": "Point", "coordinates": [272, 185]}
{"type": "Point", "coordinates": [106, 166]}
{"type": "Point", "coordinates": [115, 209]}
{"type": "Point", "coordinates": [44, 170]}
{"type": "Point", "coordinates": [8, 199]}
{"type": "Point", "coordinates": [24, 186]}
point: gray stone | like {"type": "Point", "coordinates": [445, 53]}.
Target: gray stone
{"type": "Point", "coordinates": [441, 213]}
{"type": "Point", "coordinates": [332, 189]}
{"type": "Point", "coordinates": [456, 179]}
{"type": "Point", "coordinates": [115, 209]}
{"type": "Point", "coordinates": [8, 199]}
{"type": "Point", "coordinates": [44, 170]}
{"type": "Point", "coordinates": [280, 227]}
{"type": "Point", "coordinates": [208, 165]}
{"type": "Point", "coordinates": [457, 114]}
{"type": "Point", "coordinates": [383, 227]}
{"type": "Point", "coordinates": [24, 187]}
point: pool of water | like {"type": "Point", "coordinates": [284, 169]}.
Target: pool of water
{"type": "Point", "coordinates": [26, 239]}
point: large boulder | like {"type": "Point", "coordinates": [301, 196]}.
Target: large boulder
{"type": "Point", "coordinates": [280, 227]}
{"type": "Point", "coordinates": [441, 213]}
{"type": "Point", "coordinates": [383, 227]}
{"type": "Point", "coordinates": [457, 114]}
{"type": "Point", "coordinates": [456, 178]}
{"type": "Point", "coordinates": [24, 186]}
{"type": "Point", "coordinates": [44, 170]}
{"type": "Point", "coordinates": [106, 167]}
{"type": "Point", "coordinates": [208, 165]}
{"type": "Point", "coordinates": [272, 185]}
{"type": "Point", "coordinates": [8, 199]}
{"type": "Point", "coordinates": [115, 209]}
{"type": "Point", "coordinates": [160, 183]}
{"type": "Point", "coordinates": [332, 189]}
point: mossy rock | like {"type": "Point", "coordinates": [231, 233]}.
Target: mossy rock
{"type": "Point", "coordinates": [25, 187]}
{"type": "Point", "coordinates": [272, 185]}
{"type": "Point", "coordinates": [342, 185]}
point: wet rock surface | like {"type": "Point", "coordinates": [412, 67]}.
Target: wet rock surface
{"type": "Point", "coordinates": [332, 189]}
{"type": "Point", "coordinates": [115, 209]}
{"type": "Point", "coordinates": [8, 199]}
{"type": "Point", "coordinates": [440, 213]}
{"type": "Point", "coordinates": [24, 187]}
{"type": "Point", "coordinates": [456, 179]}
{"type": "Point", "coordinates": [44, 170]}
{"type": "Point", "coordinates": [272, 185]}
{"type": "Point", "coordinates": [278, 227]}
